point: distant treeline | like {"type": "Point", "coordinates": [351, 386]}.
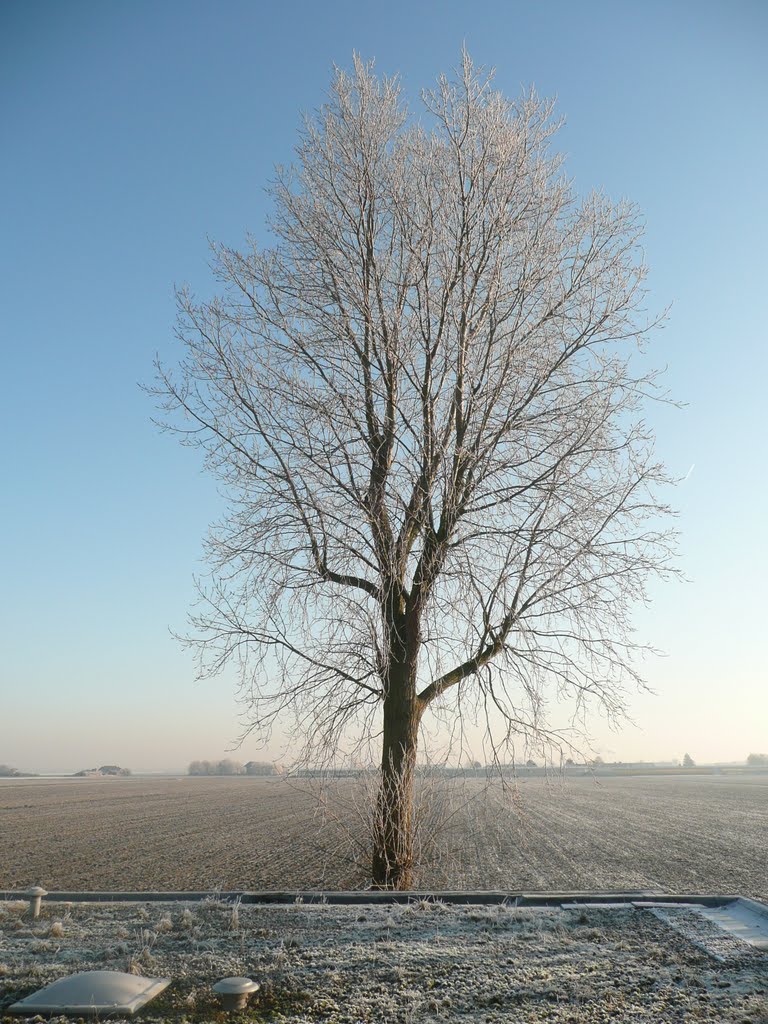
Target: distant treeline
{"type": "Point", "coordinates": [230, 767]}
{"type": "Point", "coordinates": [6, 772]}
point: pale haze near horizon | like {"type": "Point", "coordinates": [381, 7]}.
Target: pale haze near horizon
{"type": "Point", "coordinates": [132, 132]}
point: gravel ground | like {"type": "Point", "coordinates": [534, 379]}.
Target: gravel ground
{"type": "Point", "coordinates": [418, 961]}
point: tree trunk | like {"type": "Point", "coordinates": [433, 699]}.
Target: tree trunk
{"type": "Point", "coordinates": [393, 840]}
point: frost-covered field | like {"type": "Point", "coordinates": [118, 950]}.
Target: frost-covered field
{"type": "Point", "coordinates": [682, 834]}
{"type": "Point", "coordinates": [412, 962]}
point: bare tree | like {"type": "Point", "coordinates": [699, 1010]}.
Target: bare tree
{"type": "Point", "coordinates": [224, 767]}
{"type": "Point", "coordinates": [423, 405]}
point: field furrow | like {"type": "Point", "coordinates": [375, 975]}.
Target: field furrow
{"type": "Point", "coordinates": [689, 834]}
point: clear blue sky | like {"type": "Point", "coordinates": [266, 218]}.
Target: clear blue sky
{"type": "Point", "coordinates": [131, 131]}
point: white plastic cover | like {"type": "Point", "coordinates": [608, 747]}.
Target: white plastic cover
{"type": "Point", "coordinates": [92, 993]}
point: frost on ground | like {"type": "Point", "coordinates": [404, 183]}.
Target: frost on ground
{"type": "Point", "coordinates": [418, 961]}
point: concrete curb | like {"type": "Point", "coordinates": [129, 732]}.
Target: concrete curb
{"type": "Point", "coordinates": [478, 896]}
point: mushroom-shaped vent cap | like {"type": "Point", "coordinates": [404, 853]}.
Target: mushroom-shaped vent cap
{"type": "Point", "coordinates": [35, 890]}
{"type": "Point", "coordinates": [236, 986]}
{"type": "Point", "coordinates": [234, 993]}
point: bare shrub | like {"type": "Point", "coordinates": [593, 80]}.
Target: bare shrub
{"type": "Point", "coordinates": [213, 909]}
{"type": "Point", "coordinates": [141, 957]}
{"type": "Point", "coordinates": [13, 909]}
{"type": "Point", "coordinates": [234, 916]}
{"type": "Point", "coordinates": [186, 920]}
{"type": "Point", "coordinates": [353, 816]}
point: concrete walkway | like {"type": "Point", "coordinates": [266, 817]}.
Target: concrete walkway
{"type": "Point", "coordinates": [741, 918]}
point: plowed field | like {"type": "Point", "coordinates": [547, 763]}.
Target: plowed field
{"type": "Point", "coordinates": [683, 834]}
